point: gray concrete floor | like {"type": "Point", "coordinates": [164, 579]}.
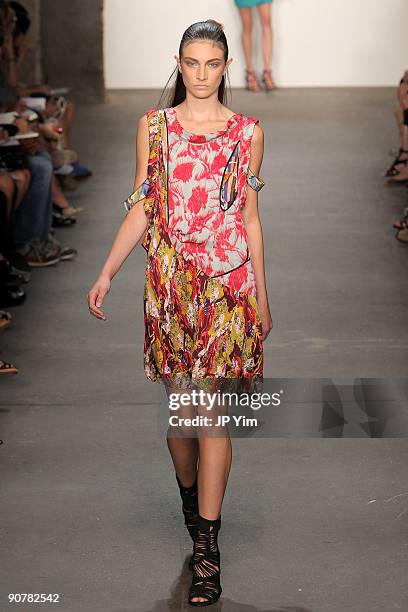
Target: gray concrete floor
{"type": "Point", "coordinates": [90, 505]}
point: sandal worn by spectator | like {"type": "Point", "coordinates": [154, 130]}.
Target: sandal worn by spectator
{"type": "Point", "coordinates": [67, 211]}
{"type": "Point", "coordinates": [7, 368]}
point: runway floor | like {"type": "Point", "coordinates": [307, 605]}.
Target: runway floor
{"type": "Point", "coordinates": [90, 505]}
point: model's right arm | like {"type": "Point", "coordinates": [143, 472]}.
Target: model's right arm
{"type": "Point", "coordinates": [130, 231]}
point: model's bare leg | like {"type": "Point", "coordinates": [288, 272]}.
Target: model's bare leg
{"type": "Point", "coordinates": [182, 446]}
{"type": "Point", "coordinates": [246, 36]}
{"type": "Point", "coordinates": [265, 17]}
{"type": "Point", "coordinates": [246, 39]}
{"type": "Point", "coordinates": [215, 458]}
{"type": "Point", "coordinates": [213, 471]}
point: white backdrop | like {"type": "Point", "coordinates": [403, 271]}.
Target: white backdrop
{"type": "Point", "coordinates": [316, 42]}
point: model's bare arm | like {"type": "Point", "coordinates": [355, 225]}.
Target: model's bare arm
{"type": "Point", "coordinates": [250, 214]}
{"type": "Point", "coordinates": [130, 231]}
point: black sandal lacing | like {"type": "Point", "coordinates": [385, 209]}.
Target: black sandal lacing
{"type": "Point", "coordinates": [206, 567]}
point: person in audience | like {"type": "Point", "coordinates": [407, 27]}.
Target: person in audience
{"type": "Point", "coordinates": [31, 231]}
{"type": "Point", "coordinates": [17, 22]}
{"type": "Point", "coordinates": [37, 165]}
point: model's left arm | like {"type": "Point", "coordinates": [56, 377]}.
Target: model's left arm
{"type": "Point", "coordinates": [250, 215]}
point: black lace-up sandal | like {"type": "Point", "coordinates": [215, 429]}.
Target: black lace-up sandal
{"type": "Point", "coordinates": [206, 568]}
{"type": "Point", "coordinates": [189, 496]}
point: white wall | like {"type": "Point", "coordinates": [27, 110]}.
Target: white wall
{"type": "Point", "coordinates": [316, 42]}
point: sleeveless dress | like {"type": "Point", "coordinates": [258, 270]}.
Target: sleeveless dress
{"type": "Point", "coordinates": [201, 316]}
{"type": "Point", "coordinates": [251, 3]}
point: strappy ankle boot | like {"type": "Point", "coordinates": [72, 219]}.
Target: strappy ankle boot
{"type": "Point", "coordinates": [189, 496]}
{"type": "Point", "coordinates": [206, 567]}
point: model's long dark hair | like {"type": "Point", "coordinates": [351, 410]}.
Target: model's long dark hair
{"type": "Point", "coordinates": [202, 30]}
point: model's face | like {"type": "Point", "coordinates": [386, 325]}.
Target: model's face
{"type": "Point", "coordinates": [202, 66]}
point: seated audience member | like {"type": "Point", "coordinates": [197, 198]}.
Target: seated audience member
{"type": "Point", "coordinates": [31, 233]}
{"type": "Point", "coordinates": [16, 45]}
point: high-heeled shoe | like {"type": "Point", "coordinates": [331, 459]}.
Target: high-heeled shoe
{"type": "Point", "coordinates": [251, 82]}
{"type": "Point", "coordinates": [268, 81]}
{"type": "Point", "coordinates": [206, 585]}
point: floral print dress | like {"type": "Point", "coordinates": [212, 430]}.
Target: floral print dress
{"type": "Point", "coordinates": [201, 315]}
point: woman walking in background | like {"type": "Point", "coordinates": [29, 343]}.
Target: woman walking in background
{"type": "Point", "coordinates": [265, 14]}
{"type": "Point", "coordinates": [206, 310]}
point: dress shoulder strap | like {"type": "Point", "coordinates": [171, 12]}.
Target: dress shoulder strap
{"type": "Point", "coordinates": [155, 122]}
{"type": "Point", "coordinates": [254, 181]}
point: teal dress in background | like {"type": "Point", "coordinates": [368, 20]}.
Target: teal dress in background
{"type": "Point", "coordinates": [251, 3]}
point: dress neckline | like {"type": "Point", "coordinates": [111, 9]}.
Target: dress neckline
{"type": "Point", "coordinates": [200, 138]}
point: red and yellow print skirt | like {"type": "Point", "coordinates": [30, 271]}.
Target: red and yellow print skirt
{"type": "Point", "coordinates": [196, 328]}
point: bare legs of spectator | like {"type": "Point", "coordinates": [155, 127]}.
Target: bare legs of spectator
{"type": "Point", "coordinates": [22, 180]}
{"type": "Point", "coordinates": [7, 186]}
{"type": "Point", "coordinates": [57, 195]}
